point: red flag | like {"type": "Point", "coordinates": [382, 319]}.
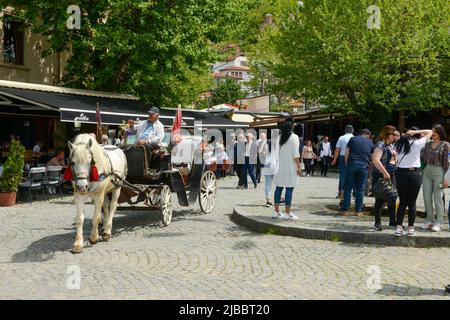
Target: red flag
{"type": "Point", "coordinates": [176, 127]}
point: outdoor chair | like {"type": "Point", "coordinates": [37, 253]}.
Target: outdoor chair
{"type": "Point", "coordinates": [53, 179]}
{"type": "Point", "coordinates": [34, 181]}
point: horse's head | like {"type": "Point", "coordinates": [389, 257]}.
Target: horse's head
{"type": "Point", "coordinates": [81, 163]}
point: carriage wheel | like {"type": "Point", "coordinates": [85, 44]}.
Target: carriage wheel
{"type": "Point", "coordinates": [207, 195]}
{"type": "Point", "coordinates": [166, 205]}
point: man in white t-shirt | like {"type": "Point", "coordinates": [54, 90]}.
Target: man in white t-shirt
{"type": "Point", "coordinates": [339, 153]}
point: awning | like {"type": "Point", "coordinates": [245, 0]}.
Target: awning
{"type": "Point", "coordinates": [80, 106]}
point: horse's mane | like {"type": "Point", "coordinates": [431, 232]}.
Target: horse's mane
{"type": "Point", "coordinates": [97, 151]}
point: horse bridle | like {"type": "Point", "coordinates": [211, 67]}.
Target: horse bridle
{"type": "Point", "coordinates": [75, 177]}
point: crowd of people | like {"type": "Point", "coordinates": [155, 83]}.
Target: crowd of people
{"type": "Point", "coordinates": [407, 162]}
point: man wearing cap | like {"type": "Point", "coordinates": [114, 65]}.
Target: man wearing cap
{"type": "Point", "coordinates": [357, 157]}
{"type": "Point", "coordinates": [150, 132]}
{"type": "Point", "coordinates": [339, 152]}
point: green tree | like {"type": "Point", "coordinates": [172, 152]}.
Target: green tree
{"type": "Point", "coordinates": [159, 50]}
{"type": "Point", "coordinates": [326, 50]}
{"type": "Point", "coordinates": [227, 91]}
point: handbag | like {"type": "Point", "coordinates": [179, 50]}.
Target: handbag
{"type": "Point", "coordinates": [385, 191]}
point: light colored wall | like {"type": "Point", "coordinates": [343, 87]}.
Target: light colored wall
{"type": "Point", "coordinates": [34, 69]}
{"type": "Point", "coordinates": [258, 104]}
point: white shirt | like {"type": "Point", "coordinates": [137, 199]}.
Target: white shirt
{"type": "Point", "coordinates": [156, 136]}
{"type": "Point", "coordinates": [285, 167]}
{"type": "Point", "coordinates": [36, 149]}
{"type": "Point", "coordinates": [326, 149]}
{"type": "Point", "coordinates": [412, 159]}
{"type": "Point", "coordinates": [269, 167]}
{"type": "Point", "coordinates": [221, 157]}
{"type": "Point", "coordinates": [342, 143]}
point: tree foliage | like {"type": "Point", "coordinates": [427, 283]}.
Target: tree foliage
{"type": "Point", "coordinates": [326, 50]}
{"type": "Point", "coordinates": [159, 50]}
{"type": "Point", "coordinates": [227, 91]}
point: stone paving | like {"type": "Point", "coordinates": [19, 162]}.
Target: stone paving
{"type": "Point", "coordinates": [204, 257]}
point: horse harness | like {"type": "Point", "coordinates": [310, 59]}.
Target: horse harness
{"type": "Point", "coordinates": [94, 176]}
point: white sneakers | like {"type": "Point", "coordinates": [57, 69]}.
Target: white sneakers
{"type": "Point", "coordinates": [278, 215]}
{"type": "Point", "coordinates": [427, 225]}
{"type": "Point", "coordinates": [287, 216]}
{"type": "Point", "coordinates": [436, 227]}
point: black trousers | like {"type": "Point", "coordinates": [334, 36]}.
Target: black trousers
{"type": "Point", "coordinates": [239, 168]}
{"type": "Point", "coordinates": [408, 185]}
{"type": "Point", "coordinates": [379, 202]}
{"type": "Point", "coordinates": [308, 166]}
{"type": "Point", "coordinates": [325, 164]}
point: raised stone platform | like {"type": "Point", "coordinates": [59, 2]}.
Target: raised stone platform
{"type": "Point", "coordinates": [320, 220]}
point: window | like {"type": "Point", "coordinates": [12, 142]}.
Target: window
{"type": "Point", "coordinates": [12, 42]}
{"type": "Point", "coordinates": [244, 63]}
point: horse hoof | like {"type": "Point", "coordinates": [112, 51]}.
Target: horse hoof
{"type": "Point", "coordinates": [77, 249]}
{"type": "Point", "coordinates": [93, 241]}
{"type": "Point", "coordinates": [106, 237]}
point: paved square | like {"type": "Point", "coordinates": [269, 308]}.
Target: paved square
{"type": "Point", "coordinates": [205, 256]}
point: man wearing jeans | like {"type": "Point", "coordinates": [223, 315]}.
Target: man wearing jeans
{"type": "Point", "coordinates": [339, 151]}
{"type": "Point", "coordinates": [357, 157]}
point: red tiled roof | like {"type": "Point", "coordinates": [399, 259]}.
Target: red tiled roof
{"type": "Point", "coordinates": [234, 68]}
{"type": "Point", "coordinates": [222, 75]}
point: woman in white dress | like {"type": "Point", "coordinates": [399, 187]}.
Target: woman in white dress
{"type": "Point", "coordinates": [287, 168]}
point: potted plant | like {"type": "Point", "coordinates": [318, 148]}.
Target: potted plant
{"type": "Point", "coordinates": [12, 174]}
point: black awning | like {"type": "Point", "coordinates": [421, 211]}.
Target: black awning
{"type": "Point", "coordinates": [82, 108]}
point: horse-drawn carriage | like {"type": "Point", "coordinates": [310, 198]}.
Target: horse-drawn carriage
{"type": "Point", "coordinates": [153, 175]}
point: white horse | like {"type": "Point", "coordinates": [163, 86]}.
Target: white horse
{"type": "Point", "coordinates": [87, 160]}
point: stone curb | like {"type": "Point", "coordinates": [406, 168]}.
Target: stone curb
{"type": "Point", "coordinates": [239, 216]}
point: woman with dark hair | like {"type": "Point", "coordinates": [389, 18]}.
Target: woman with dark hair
{"type": "Point", "coordinates": [408, 177]}
{"type": "Point", "coordinates": [287, 168]}
{"type": "Point", "coordinates": [384, 168]}
{"type": "Point", "coordinates": [435, 157]}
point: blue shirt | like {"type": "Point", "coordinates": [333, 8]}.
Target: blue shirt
{"type": "Point", "coordinates": [342, 143]}
{"type": "Point", "coordinates": [360, 149]}
{"type": "Point", "coordinates": [148, 130]}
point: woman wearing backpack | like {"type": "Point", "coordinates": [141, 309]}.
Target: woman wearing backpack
{"type": "Point", "coordinates": [384, 161]}
{"type": "Point", "coordinates": [435, 158]}
{"type": "Point", "coordinates": [408, 177]}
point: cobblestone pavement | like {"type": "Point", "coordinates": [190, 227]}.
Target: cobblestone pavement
{"type": "Point", "coordinates": [204, 257]}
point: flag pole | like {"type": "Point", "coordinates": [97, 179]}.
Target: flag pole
{"type": "Point", "coordinates": [98, 121]}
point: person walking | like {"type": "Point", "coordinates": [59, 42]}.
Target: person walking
{"type": "Point", "coordinates": [239, 159]}
{"type": "Point", "coordinates": [267, 171]}
{"type": "Point", "coordinates": [251, 150]}
{"type": "Point", "coordinates": [409, 179]}
{"type": "Point", "coordinates": [339, 157]}
{"type": "Point", "coordinates": [384, 168]}
{"type": "Point", "coordinates": [308, 157]}
{"type": "Point", "coordinates": [261, 143]}
{"type": "Point", "coordinates": [435, 157]}
{"type": "Point", "coordinates": [287, 168]}
{"type": "Point", "coordinates": [325, 154]}
{"type": "Point", "coordinates": [357, 158]}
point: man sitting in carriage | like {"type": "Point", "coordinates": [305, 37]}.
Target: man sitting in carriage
{"type": "Point", "coordinates": [151, 132]}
